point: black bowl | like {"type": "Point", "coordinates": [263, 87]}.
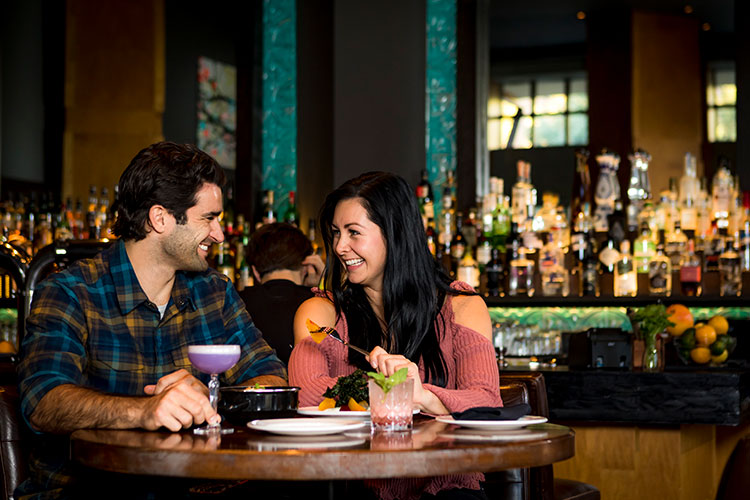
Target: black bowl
{"type": "Point", "coordinates": [240, 404]}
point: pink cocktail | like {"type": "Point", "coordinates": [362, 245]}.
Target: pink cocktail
{"type": "Point", "coordinates": [392, 411]}
{"type": "Point", "coordinates": [213, 359]}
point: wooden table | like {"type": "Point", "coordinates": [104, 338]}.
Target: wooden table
{"type": "Point", "coordinates": [432, 449]}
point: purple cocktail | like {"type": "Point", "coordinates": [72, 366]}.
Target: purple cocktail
{"type": "Point", "coordinates": [213, 359]}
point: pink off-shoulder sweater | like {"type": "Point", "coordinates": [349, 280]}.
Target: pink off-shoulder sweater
{"type": "Point", "coordinates": [472, 380]}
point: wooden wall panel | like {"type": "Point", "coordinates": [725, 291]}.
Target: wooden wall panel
{"type": "Point", "coordinates": [114, 89]}
{"type": "Point", "coordinates": [666, 101]}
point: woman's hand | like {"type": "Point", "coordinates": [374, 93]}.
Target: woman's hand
{"type": "Point", "coordinates": [388, 364]}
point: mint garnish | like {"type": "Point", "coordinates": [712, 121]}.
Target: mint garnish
{"type": "Point", "coordinates": [387, 383]}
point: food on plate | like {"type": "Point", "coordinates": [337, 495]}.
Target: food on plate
{"type": "Point", "coordinates": [348, 394]}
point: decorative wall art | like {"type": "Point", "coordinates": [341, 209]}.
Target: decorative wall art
{"type": "Point", "coordinates": [217, 110]}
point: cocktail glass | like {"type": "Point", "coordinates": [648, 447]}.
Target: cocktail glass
{"type": "Point", "coordinates": [391, 411]}
{"type": "Point", "coordinates": [213, 359]}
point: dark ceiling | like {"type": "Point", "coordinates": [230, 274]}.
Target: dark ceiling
{"type": "Point", "coordinates": [538, 23]}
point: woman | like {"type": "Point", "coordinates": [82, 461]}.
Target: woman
{"type": "Point", "coordinates": [389, 296]}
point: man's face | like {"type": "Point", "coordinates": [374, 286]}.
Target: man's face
{"type": "Point", "coordinates": [188, 244]}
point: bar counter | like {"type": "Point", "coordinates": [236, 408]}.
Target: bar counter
{"type": "Point", "coordinates": [641, 435]}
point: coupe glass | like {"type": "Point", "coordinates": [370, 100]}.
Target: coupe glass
{"type": "Point", "coordinates": [213, 359]}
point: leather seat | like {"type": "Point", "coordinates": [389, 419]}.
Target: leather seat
{"type": "Point", "coordinates": [735, 480]}
{"type": "Point", "coordinates": [541, 483]}
{"type": "Point", "coordinates": [13, 455]}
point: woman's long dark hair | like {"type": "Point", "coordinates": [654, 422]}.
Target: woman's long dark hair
{"type": "Point", "coordinates": [414, 285]}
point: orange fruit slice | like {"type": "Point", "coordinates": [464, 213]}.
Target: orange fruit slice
{"type": "Point", "coordinates": [354, 406]}
{"type": "Point", "coordinates": [701, 355]}
{"type": "Point", "coordinates": [316, 336]}
{"type": "Point", "coordinates": [326, 404]}
{"type": "Point", "coordinates": [681, 317]}
{"type": "Point", "coordinates": [705, 335]}
{"type": "Point", "coordinates": [720, 324]}
{"type": "Point", "coordinates": [311, 326]}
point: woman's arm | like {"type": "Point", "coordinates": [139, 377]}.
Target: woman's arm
{"type": "Point", "coordinates": [309, 362]}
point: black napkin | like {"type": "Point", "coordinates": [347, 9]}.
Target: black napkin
{"type": "Point", "coordinates": [513, 412]}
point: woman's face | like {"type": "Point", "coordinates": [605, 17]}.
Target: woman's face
{"type": "Point", "coordinates": [359, 244]}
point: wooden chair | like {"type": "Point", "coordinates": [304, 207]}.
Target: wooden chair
{"type": "Point", "coordinates": [735, 480]}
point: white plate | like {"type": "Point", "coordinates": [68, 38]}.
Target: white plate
{"type": "Point", "coordinates": [306, 442]}
{"type": "Point", "coordinates": [494, 424]}
{"type": "Point", "coordinates": [305, 426]}
{"type": "Point", "coordinates": [312, 411]}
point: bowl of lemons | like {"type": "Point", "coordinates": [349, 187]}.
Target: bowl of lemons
{"type": "Point", "coordinates": [704, 342]}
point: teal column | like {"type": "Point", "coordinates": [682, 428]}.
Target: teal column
{"type": "Point", "coordinates": [440, 89]}
{"type": "Point", "coordinates": [279, 136]}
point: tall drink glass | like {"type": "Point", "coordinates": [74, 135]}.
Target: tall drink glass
{"type": "Point", "coordinates": [391, 411]}
{"type": "Point", "coordinates": [213, 359]}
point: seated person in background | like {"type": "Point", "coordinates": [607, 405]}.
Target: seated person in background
{"type": "Point", "coordinates": [106, 340]}
{"type": "Point", "coordinates": [387, 294]}
{"type": "Point", "coordinates": [284, 267]}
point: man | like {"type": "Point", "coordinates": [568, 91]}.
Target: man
{"type": "Point", "coordinates": [285, 266]}
{"type": "Point", "coordinates": [106, 342]}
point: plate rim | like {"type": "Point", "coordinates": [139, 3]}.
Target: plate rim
{"type": "Point", "coordinates": [499, 424]}
{"type": "Point", "coordinates": [313, 411]}
{"type": "Point", "coordinates": [351, 424]}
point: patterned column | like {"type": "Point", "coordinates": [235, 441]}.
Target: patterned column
{"type": "Point", "coordinates": [279, 100]}
{"type": "Point", "coordinates": [440, 89]}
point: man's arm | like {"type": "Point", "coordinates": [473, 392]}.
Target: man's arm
{"type": "Point", "coordinates": [179, 400]}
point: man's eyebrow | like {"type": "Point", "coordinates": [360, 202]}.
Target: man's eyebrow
{"type": "Point", "coordinates": [212, 214]}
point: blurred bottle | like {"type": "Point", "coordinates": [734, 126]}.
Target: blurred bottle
{"type": "Point", "coordinates": [639, 188]}
{"type": "Point", "coordinates": [91, 230]}
{"type": "Point", "coordinates": [457, 244]}
{"type": "Point", "coordinates": [691, 279]}
{"type": "Point", "coordinates": [555, 278]}
{"type": "Point", "coordinates": [581, 185]}
{"type": "Point", "coordinates": [426, 198]}
{"type": "Point", "coordinates": [520, 268]}
{"type": "Point", "coordinates": [689, 193]}
{"type": "Point", "coordinates": [583, 247]}
{"type": "Point", "coordinates": [227, 216]}
{"type": "Point", "coordinates": [103, 221]}
{"type": "Point", "coordinates": [523, 195]}
{"type": "Point", "coordinates": [722, 187]}
{"type": "Point", "coordinates": [432, 237]}
{"type": "Point", "coordinates": [494, 273]}
{"type": "Point", "coordinates": [607, 190]}
{"type": "Point", "coordinates": [744, 232]}
{"type": "Point", "coordinates": [312, 235]}
{"type": "Point", "coordinates": [225, 261]}
{"type": "Point", "coordinates": [730, 270]}
{"type": "Point", "coordinates": [660, 271]}
{"type": "Point", "coordinates": [676, 245]}
{"type": "Point", "coordinates": [703, 209]}
{"type": "Point", "coordinates": [626, 282]}
{"type": "Point", "coordinates": [291, 216]}
{"type": "Point", "coordinates": [468, 270]}
{"type": "Point", "coordinates": [269, 215]}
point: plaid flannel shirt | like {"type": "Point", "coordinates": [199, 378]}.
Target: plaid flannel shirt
{"type": "Point", "coordinates": [93, 326]}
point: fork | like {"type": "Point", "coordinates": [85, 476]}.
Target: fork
{"type": "Point", "coordinates": [331, 332]}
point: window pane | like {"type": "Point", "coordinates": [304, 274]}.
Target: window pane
{"type": "Point", "coordinates": [507, 108]}
{"type": "Point", "coordinates": [550, 97]}
{"type": "Point", "coordinates": [578, 100]}
{"type": "Point", "coordinates": [519, 94]}
{"type": "Point", "coordinates": [549, 131]}
{"type": "Point", "coordinates": [722, 89]}
{"type": "Point", "coordinates": [522, 139]}
{"type": "Point", "coordinates": [711, 126]}
{"type": "Point", "coordinates": [726, 125]}
{"type": "Point", "coordinates": [578, 129]}
{"type": "Point", "coordinates": [494, 135]}
{"type": "Point", "coordinates": [494, 107]}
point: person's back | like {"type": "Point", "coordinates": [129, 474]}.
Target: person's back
{"type": "Point", "coordinates": [284, 267]}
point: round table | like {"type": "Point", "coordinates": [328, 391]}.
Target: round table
{"type": "Point", "coordinates": [431, 449]}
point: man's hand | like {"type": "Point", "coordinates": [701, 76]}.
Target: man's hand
{"type": "Point", "coordinates": [177, 401]}
{"type": "Point", "coordinates": [312, 267]}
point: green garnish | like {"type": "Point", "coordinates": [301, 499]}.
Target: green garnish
{"type": "Point", "coordinates": [652, 320]}
{"type": "Point", "coordinates": [350, 386]}
{"type": "Point", "coordinates": [257, 386]}
{"type": "Point", "coordinates": [387, 383]}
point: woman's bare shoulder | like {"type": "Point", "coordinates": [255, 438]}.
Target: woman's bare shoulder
{"type": "Point", "coordinates": [471, 311]}
{"type": "Point", "coordinates": [319, 310]}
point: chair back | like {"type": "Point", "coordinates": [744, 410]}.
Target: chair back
{"type": "Point", "coordinates": [13, 453]}
{"type": "Point", "coordinates": [735, 480]}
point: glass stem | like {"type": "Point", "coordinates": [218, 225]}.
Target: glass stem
{"type": "Point", "coordinates": [213, 394]}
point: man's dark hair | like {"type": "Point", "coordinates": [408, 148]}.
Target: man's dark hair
{"type": "Point", "coordinates": [166, 174]}
{"type": "Point", "coordinates": [278, 246]}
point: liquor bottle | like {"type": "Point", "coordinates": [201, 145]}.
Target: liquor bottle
{"type": "Point", "coordinates": [240, 261]}
{"type": "Point", "coordinates": [468, 269]}
{"type": "Point", "coordinates": [523, 195]}
{"type": "Point", "coordinates": [676, 245]}
{"type": "Point", "coordinates": [521, 272]}
{"type": "Point", "coordinates": [639, 188]}
{"type": "Point", "coordinates": [484, 248]}
{"type": "Point", "coordinates": [227, 216]}
{"type": "Point", "coordinates": [555, 279]}
{"type": "Point", "coordinates": [586, 263]}
{"type": "Point", "coordinates": [691, 279]}
{"type": "Point", "coordinates": [103, 221]}
{"type": "Point", "coordinates": [425, 198]}
{"type": "Point", "coordinates": [744, 232]}
{"type": "Point", "coordinates": [730, 270]}
{"type": "Point", "coordinates": [269, 214]}
{"type": "Point", "coordinates": [713, 247]}
{"type": "Point", "coordinates": [644, 249]}
{"type": "Point", "coordinates": [616, 224]}
{"type": "Point", "coordinates": [660, 271]}
{"type": "Point", "coordinates": [312, 235]}
{"type": "Point", "coordinates": [722, 187]}
{"type": "Point", "coordinates": [609, 255]}
{"type": "Point", "coordinates": [626, 282]}
{"type": "Point", "coordinates": [494, 273]}
{"type": "Point", "coordinates": [432, 238]}
{"type": "Point", "coordinates": [92, 231]}
{"type": "Point", "coordinates": [501, 223]}
{"type": "Point", "coordinates": [581, 184]}
{"type": "Point", "coordinates": [607, 189]}
{"type": "Point", "coordinates": [291, 216]}
{"type": "Point", "coordinates": [458, 244]}
{"type": "Point", "coordinates": [689, 192]}
{"type": "Point", "coordinates": [703, 208]}
{"type": "Point", "coordinates": [225, 261]}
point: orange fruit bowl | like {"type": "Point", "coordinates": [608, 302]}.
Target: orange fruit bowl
{"type": "Point", "coordinates": [681, 317]}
